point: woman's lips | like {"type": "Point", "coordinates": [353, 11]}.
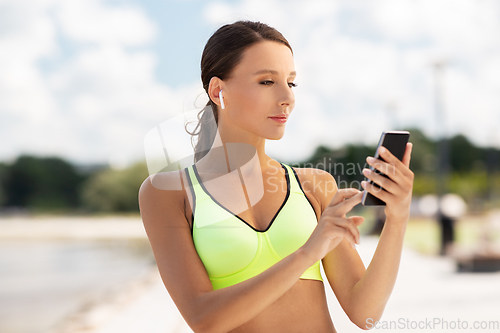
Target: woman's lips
{"type": "Point", "coordinates": [280, 120]}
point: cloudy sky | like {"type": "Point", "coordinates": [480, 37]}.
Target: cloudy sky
{"type": "Point", "coordinates": [87, 80]}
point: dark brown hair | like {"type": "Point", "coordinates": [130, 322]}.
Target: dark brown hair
{"type": "Point", "coordinates": [221, 54]}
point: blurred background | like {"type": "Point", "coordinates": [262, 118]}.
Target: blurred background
{"type": "Point", "coordinates": [82, 83]}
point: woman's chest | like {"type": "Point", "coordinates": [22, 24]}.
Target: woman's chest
{"type": "Point", "coordinates": [227, 244]}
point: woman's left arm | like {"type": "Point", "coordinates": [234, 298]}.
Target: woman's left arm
{"type": "Point", "coordinates": [370, 294]}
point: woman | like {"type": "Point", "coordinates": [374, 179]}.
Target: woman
{"type": "Point", "coordinates": [256, 269]}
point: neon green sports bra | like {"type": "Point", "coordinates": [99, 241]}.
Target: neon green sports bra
{"type": "Point", "coordinates": [234, 251]}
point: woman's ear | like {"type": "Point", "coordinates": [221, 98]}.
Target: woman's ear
{"type": "Point", "coordinates": [214, 88]}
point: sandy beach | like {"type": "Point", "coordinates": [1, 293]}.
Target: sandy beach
{"type": "Point", "coordinates": [429, 293]}
{"type": "Point", "coordinates": [71, 227]}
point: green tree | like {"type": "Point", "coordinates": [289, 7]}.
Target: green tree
{"type": "Point", "coordinates": [41, 183]}
{"type": "Point", "coordinates": [464, 156]}
{"type": "Point", "coordinates": [112, 190]}
{"type": "Point", "coordinates": [467, 165]}
{"type": "Point", "coordinates": [423, 155]}
{"type": "Point", "coordinates": [3, 173]}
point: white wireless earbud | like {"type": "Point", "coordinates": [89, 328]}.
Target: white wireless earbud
{"type": "Point", "coordinates": [221, 100]}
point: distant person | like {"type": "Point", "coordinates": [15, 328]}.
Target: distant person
{"type": "Point", "coordinates": [258, 270]}
{"type": "Point", "coordinates": [447, 233]}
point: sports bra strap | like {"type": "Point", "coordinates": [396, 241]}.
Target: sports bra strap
{"type": "Point", "coordinates": [201, 195]}
{"type": "Point", "coordinates": [294, 184]}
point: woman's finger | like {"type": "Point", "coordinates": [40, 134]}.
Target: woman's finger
{"type": "Point", "coordinates": [346, 234]}
{"type": "Point", "coordinates": [387, 169]}
{"type": "Point", "coordinates": [349, 225]}
{"type": "Point", "coordinates": [345, 206]}
{"type": "Point", "coordinates": [358, 220]}
{"type": "Point", "coordinates": [376, 191]}
{"type": "Point", "coordinates": [386, 183]}
{"type": "Point", "coordinates": [407, 155]}
{"type": "Point", "coordinates": [391, 159]}
{"type": "Point", "coordinates": [342, 194]}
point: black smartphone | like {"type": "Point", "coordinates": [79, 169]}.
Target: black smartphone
{"type": "Point", "coordinates": [395, 142]}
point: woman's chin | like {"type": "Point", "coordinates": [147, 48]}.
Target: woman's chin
{"type": "Point", "coordinates": [275, 136]}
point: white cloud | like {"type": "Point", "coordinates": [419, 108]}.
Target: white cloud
{"type": "Point", "coordinates": [91, 21]}
{"type": "Point", "coordinates": [25, 37]}
{"type": "Point", "coordinates": [78, 78]}
{"type": "Point", "coordinates": [98, 99]}
{"type": "Point", "coordinates": [458, 25]}
{"type": "Point", "coordinates": [356, 58]}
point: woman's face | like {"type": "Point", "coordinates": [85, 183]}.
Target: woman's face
{"type": "Point", "coordinates": [260, 87]}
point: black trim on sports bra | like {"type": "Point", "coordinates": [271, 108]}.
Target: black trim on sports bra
{"type": "Point", "coordinates": [298, 181]}
{"type": "Point", "coordinates": [275, 215]}
{"type": "Point", "coordinates": [194, 199]}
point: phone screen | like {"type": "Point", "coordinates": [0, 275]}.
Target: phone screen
{"type": "Point", "coordinates": [395, 142]}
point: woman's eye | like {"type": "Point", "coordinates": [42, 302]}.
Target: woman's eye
{"type": "Point", "coordinates": [269, 82]}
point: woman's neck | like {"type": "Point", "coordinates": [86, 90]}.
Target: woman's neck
{"type": "Point", "coordinates": [227, 155]}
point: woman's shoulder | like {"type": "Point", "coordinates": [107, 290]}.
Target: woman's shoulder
{"type": "Point", "coordinates": [314, 175]}
{"type": "Point", "coordinates": [168, 183]}
{"type": "Point", "coordinates": [163, 190]}
{"type": "Point", "coordinates": [319, 183]}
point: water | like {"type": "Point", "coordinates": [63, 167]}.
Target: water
{"type": "Point", "coordinates": [42, 282]}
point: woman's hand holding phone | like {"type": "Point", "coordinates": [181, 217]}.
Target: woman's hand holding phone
{"type": "Point", "coordinates": [397, 188]}
{"type": "Point", "coordinates": [334, 226]}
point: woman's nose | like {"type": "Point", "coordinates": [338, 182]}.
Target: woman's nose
{"type": "Point", "coordinates": [287, 96]}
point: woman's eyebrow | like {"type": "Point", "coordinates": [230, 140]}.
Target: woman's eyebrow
{"type": "Point", "coordinates": [273, 72]}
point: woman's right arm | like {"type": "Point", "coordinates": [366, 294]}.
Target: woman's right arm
{"type": "Point", "coordinates": [185, 277]}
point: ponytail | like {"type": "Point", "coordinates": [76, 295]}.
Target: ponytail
{"type": "Point", "coordinates": [207, 130]}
